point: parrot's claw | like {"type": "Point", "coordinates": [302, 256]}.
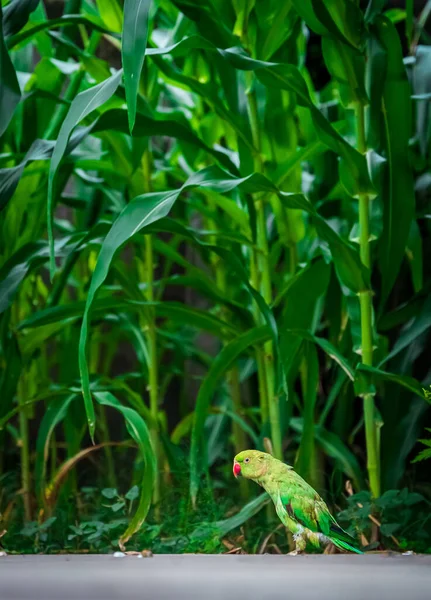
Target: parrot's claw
{"type": "Point", "coordinates": [294, 553]}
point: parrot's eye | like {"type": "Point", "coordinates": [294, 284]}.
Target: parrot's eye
{"type": "Point", "coordinates": [247, 460]}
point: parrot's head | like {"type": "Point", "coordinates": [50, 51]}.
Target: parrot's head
{"type": "Point", "coordinates": [251, 464]}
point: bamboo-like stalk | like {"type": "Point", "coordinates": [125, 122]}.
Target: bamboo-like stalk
{"type": "Point", "coordinates": [365, 299]}
{"type": "Point", "coordinates": [238, 433]}
{"type": "Point", "coordinates": [151, 334]}
{"type": "Point", "coordinates": [409, 21]}
{"type": "Point", "coordinates": [24, 439]}
{"type": "Point", "coordinates": [260, 363]}
{"type": "Point", "coordinates": [108, 357]}
{"type": "Point", "coordinates": [260, 276]}
{"type": "Point", "coordinates": [24, 451]}
{"type": "Point", "coordinates": [109, 457]}
{"type": "Point", "coordinates": [266, 369]}
{"type": "Point", "coordinates": [239, 438]}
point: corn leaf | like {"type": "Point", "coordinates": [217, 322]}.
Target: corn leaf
{"type": "Point", "coordinates": [133, 46]}
{"type": "Point", "coordinates": [219, 367]}
{"type": "Point", "coordinates": [138, 430]}
{"type": "Point", "coordinates": [398, 192]}
{"type": "Point", "coordinates": [54, 414]}
{"type": "Point", "coordinates": [10, 93]}
{"type": "Point", "coordinates": [83, 104]}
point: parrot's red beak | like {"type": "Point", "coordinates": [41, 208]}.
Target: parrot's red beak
{"type": "Point", "coordinates": [236, 469]}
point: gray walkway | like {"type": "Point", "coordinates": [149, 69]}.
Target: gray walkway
{"type": "Point", "coordinates": [208, 577]}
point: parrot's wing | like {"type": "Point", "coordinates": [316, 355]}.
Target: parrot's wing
{"type": "Point", "coordinates": [301, 503]}
{"type": "Point", "coordinates": [304, 505]}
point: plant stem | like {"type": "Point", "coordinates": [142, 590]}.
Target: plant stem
{"type": "Point", "coordinates": [238, 434]}
{"type": "Point", "coordinates": [365, 299]}
{"type": "Point", "coordinates": [24, 439]}
{"type": "Point", "coordinates": [409, 21]}
{"type": "Point", "coordinates": [232, 377]}
{"type": "Point", "coordinates": [25, 450]}
{"type": "Point", "coordinates": [153, 376]}
{"type": "Point", "coordinates": [261, 377]}
{"type": "Point", "coordinates": [152, 341]}
{"type": "Point", "coordinates": [266, 370]}
{"type": "Point", "coordinates": [53, 445]}
{"type": "Point", "coordinates": [239, 437]}
{"type": "Point", "coordinates": [104, 435]}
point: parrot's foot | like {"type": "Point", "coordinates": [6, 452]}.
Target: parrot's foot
{"type": "Point", "coordinates": [294, 553]}
{"type": "Point", "coordinates": [300, 544]}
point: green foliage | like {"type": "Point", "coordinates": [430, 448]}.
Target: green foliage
{"type": "Point", "coordinates": [426, 452]}
{"type": "Point", "coordinates": [404, 517]}
{"type": "Point", "coordinates": [10, 92]}
{"type": "Point", "coordinates": [214, 224]}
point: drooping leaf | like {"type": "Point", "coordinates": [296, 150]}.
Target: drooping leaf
{"type": "Point", "coordinates": [398, 192]}
{"type": "Point", "coordinates": [219, 367]}
{"type": "Point", "coordinates": [133, 46]}
{"type": "Point", "coordinates": [148, 208]}
{"type": "Point", "coordinates": [28, 33]}
{"type": "Point", "coordinates": [39, 150]}
{"type": "Point", "coordinates": [139, 432]}
{"type": "Point", "coordinates": [141, 212]}
{"type": "Point", "coordinates": [16, 268]}
{"type": "Point", "coordinates": [10, 93]}
{"type": "Point", "coordinates": [16, 14]}
{"type": "Point", "coordinates": [171, 310]}
{"type": "Point", "coordinates": [116, 120]}
{"type": "Point", "coordinates": [335, 448]}
{"type": "Point", "coordinates": [33, 255]}
{"type": "Point", "coordinates": [353, 168]}
{"type": "Point", "coordinates": [221, 528]}
{"type": "Point", "coordinates": [346, 259]}
{"type": "Point", "coordinates": [83, 104]}
{"type": "Point", "coordinates": [9, 178]}
{"type": "Point", "coordinates": [328, 348]}
{"type": "Point", "coordinates": [374, 374]}
{"type": "Point", "coordinates": [54, 485]}
{"type": "Point", "coordinates": [54, 414]}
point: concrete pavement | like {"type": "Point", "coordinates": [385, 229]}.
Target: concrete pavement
{"type": "Point", "coordinates": [211, 577]}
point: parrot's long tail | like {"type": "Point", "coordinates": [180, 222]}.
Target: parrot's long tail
{"type": "Point", "coordinates": [343, 540]}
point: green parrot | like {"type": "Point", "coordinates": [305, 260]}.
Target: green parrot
{"type": "Point", "coordinates": [298, 506]}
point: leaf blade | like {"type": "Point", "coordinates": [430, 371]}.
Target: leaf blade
{"type": "Point", "coordinates": [133, 47]}
{"type": "Point", "coordinates": [83, 104]}
{"type": "Point", "coordinates": [10, 93]}
{"type": "Point", "coordinates": [220, 365]}
{"type": "Point", "coordinates": [139, 432]}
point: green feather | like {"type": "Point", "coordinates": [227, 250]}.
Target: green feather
{"type": "Point", "coordinates": [343, 540]}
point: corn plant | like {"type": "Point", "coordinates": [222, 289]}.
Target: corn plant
{"type": "Point", "coordinates": [214, 224]}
